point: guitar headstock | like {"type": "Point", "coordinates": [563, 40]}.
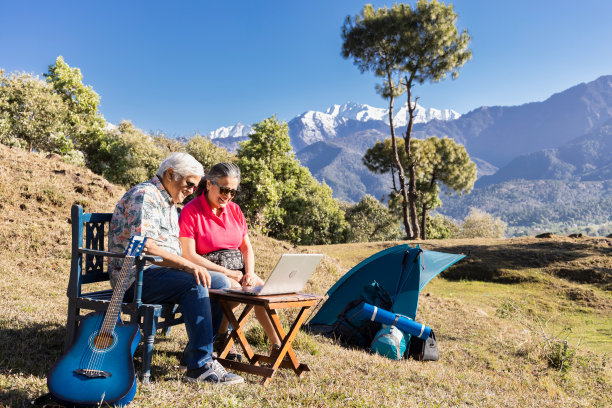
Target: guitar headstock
{"type": "Point", "coordinates": [135, 246]}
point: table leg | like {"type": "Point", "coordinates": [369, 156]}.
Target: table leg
{"type": "Point", "coordinates": [237, 333]}
{"type": "Point", "coordinates": [259, 364]}
{"type": "Point", "coordinates": [287, 339]}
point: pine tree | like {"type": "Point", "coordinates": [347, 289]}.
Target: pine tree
{"type": "Point", "coordinates": [406, 47]}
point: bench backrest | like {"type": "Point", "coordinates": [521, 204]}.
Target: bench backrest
{"type": "Point", "coordinates": [89, 231]}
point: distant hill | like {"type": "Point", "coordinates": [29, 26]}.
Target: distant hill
{"type": "Point", "coordinates": [532, 206]}
{"type": "Point", "coordinates": [555, 157]}
{"type": "Point", "coordinates": [499, 134]}
{"type": "Point", "coordinates": [587, 158]}
{"type": "Point", "coordinates": [493, 136]}
{"type": "Point", "coordinates": [338, 163]}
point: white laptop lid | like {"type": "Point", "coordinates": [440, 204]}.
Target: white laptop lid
{"type": "Point", "coordinates": [290, 273]}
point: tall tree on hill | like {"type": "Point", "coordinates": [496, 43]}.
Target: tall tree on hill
{"type": "Point", "coordinates": [406, 47]}
{"type": "Point", "coordinates": [266, 162]}
{"type": "Point", "coordinates": [84, 120]}
{"type": "Point", "coordinates": [280, 196]}
{"type": "Point", "coordinates": [441, 161]}
{"type": "Point", "coordinates": [31, 115]}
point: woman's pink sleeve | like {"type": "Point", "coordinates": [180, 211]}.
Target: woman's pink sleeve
{"type": "Point", "coordinates": [245, 229]}
{"type": "Point", "coordinates": [187, 222]}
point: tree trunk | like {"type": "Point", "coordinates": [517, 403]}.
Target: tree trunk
{"type": "Point", "coordinates": [432, 183]}
{"type": "Point", "coordinates": [400, 169]}
{"type": "Point", "coordinates": [393, 178]}
{"type": "Point", "coordinates": [412, 191]}
{"type": "Point", "coordinates": [424, 222]}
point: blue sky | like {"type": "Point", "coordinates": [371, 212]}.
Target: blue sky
{"type": "Point", "coordinates": [193, 66]}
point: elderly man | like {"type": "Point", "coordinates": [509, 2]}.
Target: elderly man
{"type": "Point", "coordinates": [149, 209]}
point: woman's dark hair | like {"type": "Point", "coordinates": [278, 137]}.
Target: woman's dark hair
{"type": "Point", "coordinates": [216, 173]}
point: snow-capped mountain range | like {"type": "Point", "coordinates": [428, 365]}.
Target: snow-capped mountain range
{"type": "Point", "coordinates": [551, 156]}
{"type": "Point", "coordinates": [315, 125]}
{"type": "Point", "coordinates": [365, 113]}
{"type": "Point", "coordinates": [238, 130]}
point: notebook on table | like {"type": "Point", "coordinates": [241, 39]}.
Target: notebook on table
{"type": "Point", "coordinates": [290, 275]}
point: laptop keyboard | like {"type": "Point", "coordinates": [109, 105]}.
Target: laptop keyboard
{"type": "Point", "coordinates": [252, 289]}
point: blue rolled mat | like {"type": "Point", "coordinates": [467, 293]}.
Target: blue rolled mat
{"type": "Point", "coordinates": [401, 322]}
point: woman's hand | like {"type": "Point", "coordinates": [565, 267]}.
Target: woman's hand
{"type": "Point", "coordinates": [235, 284]}
{"type": "Point", "coordinates": [250, 279]}
{"type": "Point", "coordinates": [233, 274]}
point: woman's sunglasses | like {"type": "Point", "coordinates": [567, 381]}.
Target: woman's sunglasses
{"type": "Point", "coordinates": [225, 190]}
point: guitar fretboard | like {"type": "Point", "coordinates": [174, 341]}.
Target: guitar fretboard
{"type": "Point", "coordinates": [114, 308]}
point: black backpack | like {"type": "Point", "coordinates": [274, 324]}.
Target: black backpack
{"type": "Point", "coordinates": [354, 331]}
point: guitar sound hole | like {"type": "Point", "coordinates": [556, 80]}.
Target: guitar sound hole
{"type": "Point", "coordinates": [103, 341]}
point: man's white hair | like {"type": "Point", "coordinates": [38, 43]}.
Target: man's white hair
{"type": "Point", "coordinates": [183, 164]}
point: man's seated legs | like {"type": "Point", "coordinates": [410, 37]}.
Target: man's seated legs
{"type": "Point", "coordinates": [167, 285]}
{"type": "Point", "coordinates": [217, 281]}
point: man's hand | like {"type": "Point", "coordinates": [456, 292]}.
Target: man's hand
{"type": "Point", "coordinates": [200, 274]}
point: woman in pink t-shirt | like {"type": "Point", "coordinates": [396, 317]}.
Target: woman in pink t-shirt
{"type": "Point", "coordinates": [213, 234]}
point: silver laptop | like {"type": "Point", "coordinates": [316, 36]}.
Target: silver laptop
{"type": "Point", "coordinates": [289, 275]}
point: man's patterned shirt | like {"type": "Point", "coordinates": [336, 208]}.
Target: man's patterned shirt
{"type": "Point", "coordinates": [146, 209]}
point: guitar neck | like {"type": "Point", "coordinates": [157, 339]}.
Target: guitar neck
{"type": "Point", "coordinates": [114, 308]}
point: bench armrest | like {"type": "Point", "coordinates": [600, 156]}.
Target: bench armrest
{"type": "Point", "coordinates": [151, 258]}
{"type": "Point", "coordinates": [147, 258]}
{"type": "Point", "coordinates": [101, 253]}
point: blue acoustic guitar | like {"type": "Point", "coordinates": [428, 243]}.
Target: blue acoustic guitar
{"type": "Point", "coordinates": [98, 369]}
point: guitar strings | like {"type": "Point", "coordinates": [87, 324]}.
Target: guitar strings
{"type": "Point", "coordinates": [110, 319]}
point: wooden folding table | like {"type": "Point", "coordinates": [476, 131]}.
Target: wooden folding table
{"type": "Point", "coordinates": [283, 358]}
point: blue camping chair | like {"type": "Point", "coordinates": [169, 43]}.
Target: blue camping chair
{"type": "Point", "coordinates": [150, 317]}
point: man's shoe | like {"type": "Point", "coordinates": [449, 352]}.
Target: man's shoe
{"type": "Point", "coordinates": [213, 372]}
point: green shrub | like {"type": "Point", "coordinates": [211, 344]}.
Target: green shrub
{"type": "Point", "coordinates": [370, 220]}
{"type": "Point", "coordinates": [440, 227]}
{"type": "Point", "coordinates": [279, 196]}
{"type": "Point", "coordinates": [479, 224]}
{"type": "Point", "coordinates": [206, 152]}
{"type": "Point", "coordinates": [134, 157]}
{"type": "Point", "coordinates": [560, 355]}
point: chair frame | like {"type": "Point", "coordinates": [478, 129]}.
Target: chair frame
{"type": "Point", "coordinates": [93, 227]}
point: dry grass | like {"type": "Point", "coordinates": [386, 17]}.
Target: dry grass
{"type": "Point", "coordinates": [485, 312]}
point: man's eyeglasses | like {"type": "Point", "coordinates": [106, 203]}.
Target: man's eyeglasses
{"type": "Point", "coordinates": [189, 185]}
{"type": "Point", "coordinates": [225, 190]}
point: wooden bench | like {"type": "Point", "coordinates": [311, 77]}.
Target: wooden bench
{"type": "Point", "coordinates": [89, 240]}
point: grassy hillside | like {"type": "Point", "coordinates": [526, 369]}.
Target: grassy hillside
{"type": "Point", "coordinates": [496, 315]}
{"type": "Point", "coordinates": [534, 206]}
